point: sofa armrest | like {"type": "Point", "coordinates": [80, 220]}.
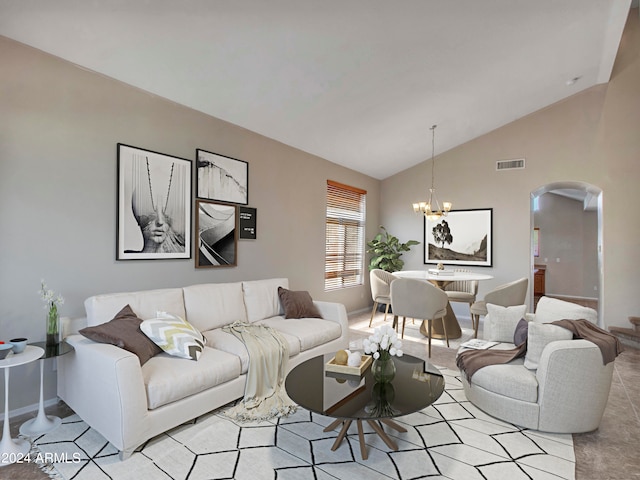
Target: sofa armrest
{"type": "Point", "coordinates": [573, 386]}
{"type": "Point", "coordinates": [103, 384]}
{"type": "Point", "coordinates": [335, 312]}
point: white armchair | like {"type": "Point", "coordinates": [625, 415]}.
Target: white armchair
{"type": "Point", "coordinates": [568, 391]}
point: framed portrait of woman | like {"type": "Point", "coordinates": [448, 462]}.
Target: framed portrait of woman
{"type": "Point", "coordinates": [154, 205]}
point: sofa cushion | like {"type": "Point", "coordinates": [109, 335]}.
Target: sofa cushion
{"type": "Point", "coordinates": [227, 342]}
{"type": "Point", "coordinates": [124, 331]}
{"type": "Point", "coordinates": [168, 378]}
{"type": "Point", "coordinates": [512, 380]}
{"type": "Point", "coordinates": [297, 304]}
{"type": "Point", "coordinates": [310, 332]}
{"type": "Point", "coordinates": [213, 305]}
{"type": "Point", "coordinates": [538, 337]}
{"type": "Point", "coordinates": [551, 309]}
{"type": "Point", "coordinates": [500, 322]}
{"type": "Point", "coordinates": [174, 335]}
{"type": "Point", "coordinates": [261, 298]}
{"type": "Point", "coordinates": [146, 304]}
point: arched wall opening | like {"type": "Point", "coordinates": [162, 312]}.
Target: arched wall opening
{"type": "Point", "coordinates": [591, 198]}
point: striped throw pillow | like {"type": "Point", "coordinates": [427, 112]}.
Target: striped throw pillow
{"type": "Point", "coordinates": [174, 335]}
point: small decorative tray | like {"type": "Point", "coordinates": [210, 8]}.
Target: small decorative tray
{"type": "Point", "coordinates": [332, 366]}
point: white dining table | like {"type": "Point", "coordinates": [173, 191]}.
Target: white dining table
{"type": "Point", "coordinates": [441, 281]}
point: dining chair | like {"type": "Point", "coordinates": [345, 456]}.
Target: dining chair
{"type": "Point", "coordinates": [507, 295]}
{"type": "Point", "coordinates": [418, 299]}
{"type": "Point", "coordinates": [380, 281]}
{"type": "Point", "coordinates": [464, 291]}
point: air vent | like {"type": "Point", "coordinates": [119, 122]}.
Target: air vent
{"type": "Point", "coordinates": [517, 164]}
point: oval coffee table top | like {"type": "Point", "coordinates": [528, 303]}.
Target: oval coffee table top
{"type": "Point", "coordinates": [417, 384]}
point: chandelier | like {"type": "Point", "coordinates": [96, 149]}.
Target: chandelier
{"type": "Point", "coordinates": [431, 208]}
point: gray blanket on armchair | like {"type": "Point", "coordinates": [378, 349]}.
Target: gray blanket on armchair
{"type": "Point", "coordinates": [470, 361]}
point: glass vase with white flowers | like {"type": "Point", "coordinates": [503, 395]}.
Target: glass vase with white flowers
{"type": "Point", "coordinates": [51, 304]}
{"type": "Point", "coordinates": [382, 345]}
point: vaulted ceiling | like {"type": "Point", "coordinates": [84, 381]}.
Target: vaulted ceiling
{"type": "Point", "coordinates": [357, 82]}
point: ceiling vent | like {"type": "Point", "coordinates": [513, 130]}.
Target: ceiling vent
{"type": "Point", "coordinates": [517, 164]}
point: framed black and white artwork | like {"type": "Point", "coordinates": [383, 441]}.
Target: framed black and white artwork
{"type": "Point", "coordinates": [220, 178]}
{"type": "Point", "coordinates": [154, 205]}
{"type": "Point", "coordinates": [463, 237]}
{"type": "Point", "coordinates": [216, 234]}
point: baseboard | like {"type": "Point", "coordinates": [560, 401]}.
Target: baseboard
{"type": "Point", "coordinates": [31, 408]}
{"type": "Point", "coordinates": [574, 297]}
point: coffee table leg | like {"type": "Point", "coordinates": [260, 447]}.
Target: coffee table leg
{"type": "Point", "coordinates": [343, 433]}
{"type": "Point", "coordinates": [385, 438]}
{"type": "Point", "coordinates": [363, 446]}
{"type": "Point", "coordinates": [393, 425]}
{"type": "Point", "coordinates": [333, 425]}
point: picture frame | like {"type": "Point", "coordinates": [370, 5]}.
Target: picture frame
{"type": "Point", "coordinates": [248, 220]}
{"type": "Point", "coordinates": [221, 178]}
{"type": "Point", "coordinates": [216, 237]}
{"type": "Point", "coordinates": [465, 238]}
{"type": "Point", "coordinates": [153, 205]}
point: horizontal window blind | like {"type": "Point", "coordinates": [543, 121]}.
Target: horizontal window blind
{"type": "Point", "coordinates": [345, 226]}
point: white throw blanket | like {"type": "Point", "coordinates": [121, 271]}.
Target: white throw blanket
{"type": "Point", "coordinates": [264, 393]}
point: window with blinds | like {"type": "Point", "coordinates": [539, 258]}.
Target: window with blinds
{"type": "Point", "coordinates": [345, 226]}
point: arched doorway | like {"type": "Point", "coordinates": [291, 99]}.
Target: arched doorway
{"type": "Point", "coordinates": [562, 256]}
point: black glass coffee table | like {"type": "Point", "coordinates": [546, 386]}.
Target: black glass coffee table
{"type": "Point", "coordinates": [416, 385]}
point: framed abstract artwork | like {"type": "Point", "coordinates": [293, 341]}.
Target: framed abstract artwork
{"type": "Point", "coordinates": [463, 237]}
{"type": "Point", "coordinates": [221, 178]}
{"type": "Point", "coordinates": [154, 205]}
{"type": "Point", "coordinates": [216, 234]}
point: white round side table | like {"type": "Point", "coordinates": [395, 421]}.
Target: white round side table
{"type": "Point", "coordinates": [44, 423]}
{"type": "Point", "coordinates": [14, 449]}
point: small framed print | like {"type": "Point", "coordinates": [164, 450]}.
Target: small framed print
{"type": "Point", "coordinates": [154, 205]}
{"type": "Point", "coordinates": [247, 222]}
{"type": "Point", "coordinates": [216, 234]}
{"type": "Point", "coordinates": [221, 178]}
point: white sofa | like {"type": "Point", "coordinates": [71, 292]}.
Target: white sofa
{"type": "Point", "coordinates": [568, 391]}
{"type": "Point", "coordinates": [129, 403]}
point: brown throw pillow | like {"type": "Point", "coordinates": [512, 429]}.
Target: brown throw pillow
{"type": "Point", "coordinates": [124, 332]}
{"type": "Point", "coordinates": [297, 304]}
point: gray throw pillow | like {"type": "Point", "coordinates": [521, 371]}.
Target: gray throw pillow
{"type": "Point", "coordinates": [297, 304]}
{"type": "Point", "coordinates": [124, 331]}
{"type": "Point", "coordinates": [539, 336]}
{"type": "Point", "coordinates": [521, 333]}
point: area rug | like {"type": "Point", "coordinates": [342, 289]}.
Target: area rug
{"type": "Point", "coordinates": [451, 439]}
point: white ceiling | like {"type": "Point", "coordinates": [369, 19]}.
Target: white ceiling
{"type": "Point", "coordinates": [357, 82]}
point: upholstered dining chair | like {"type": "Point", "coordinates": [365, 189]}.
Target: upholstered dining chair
{"type": "Point", "coordinates": [507, 295]}
{"type": "Point", "coordinates": [380, 281]}
{"type": "Point", "coordinates": [419, 299]}
{"type": "Point", "coordinates": [463, 291]}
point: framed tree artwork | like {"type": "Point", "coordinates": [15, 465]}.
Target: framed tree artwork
{"type": "Point", "coordinates": [154, 205]}
{"type": "Point", "coordinates": [221, 178]}
{"type": "Point", "coordinates": [216, 234]}
{"type": "Point", "coordinates": [463, 237]}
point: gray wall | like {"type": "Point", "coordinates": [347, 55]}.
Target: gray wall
{"type": "Point", "coordinates": [568, 246]}
{"type": "Point", "coordinates": [59, 128]}
{"type": "Point", "coordinates": [591, 137]}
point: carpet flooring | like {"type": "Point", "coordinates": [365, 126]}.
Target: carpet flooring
{"type": "Point", "coordinates": [449, 440]}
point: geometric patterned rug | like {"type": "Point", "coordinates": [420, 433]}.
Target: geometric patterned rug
{"type": "Point", "coordinates": [450, 439]}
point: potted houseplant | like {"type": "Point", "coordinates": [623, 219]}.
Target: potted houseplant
{"type": "Point", "coordinates": [386, 250]}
